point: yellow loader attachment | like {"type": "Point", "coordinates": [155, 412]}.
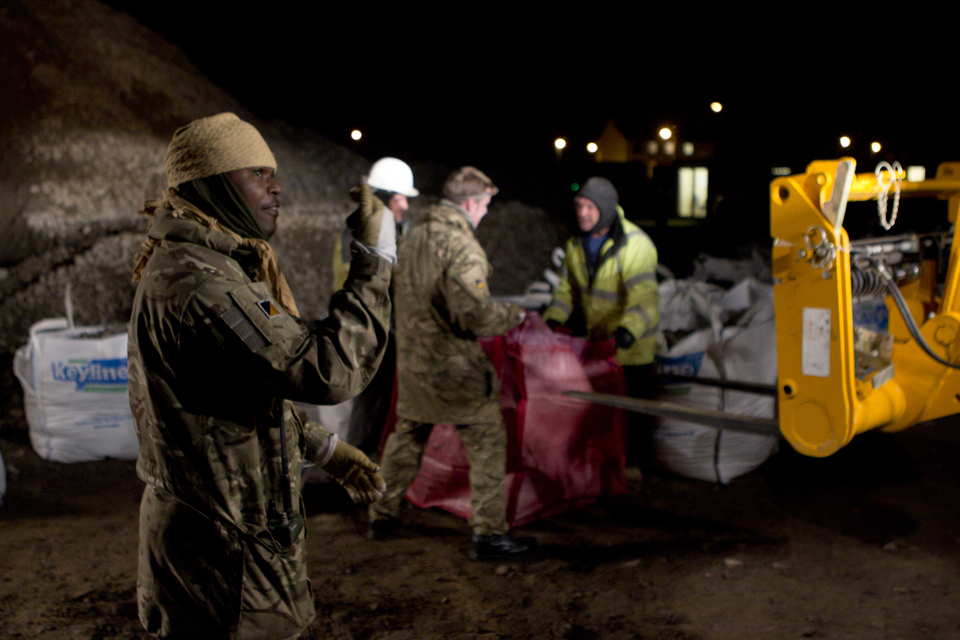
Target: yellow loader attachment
{"type": "Point", "coordinates": [836, 380]}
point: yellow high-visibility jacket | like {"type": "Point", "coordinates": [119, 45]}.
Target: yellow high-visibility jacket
{"type": "Point", "coordinates": [621, 292]}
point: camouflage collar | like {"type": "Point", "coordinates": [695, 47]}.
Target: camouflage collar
{"type": "Point", "coordinates": [449, 213]}
{"type": "Point", "coordinates": [178, 220]}
{"type": "Point", "coordinates": [170, 224]}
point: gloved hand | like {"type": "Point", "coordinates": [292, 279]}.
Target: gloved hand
{"type": "Point", "coordinates": [360, 477]}
{"type": "Point", "coordinates": [373, 226]}
{"type": "Point", "coordinates": [623, 338]}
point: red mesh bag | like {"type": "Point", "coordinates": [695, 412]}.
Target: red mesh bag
{"type": "Point", "coordinates": [561, 453]}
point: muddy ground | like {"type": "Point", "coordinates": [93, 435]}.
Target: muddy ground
{"type": "Point", "coordinates": [863, 545]}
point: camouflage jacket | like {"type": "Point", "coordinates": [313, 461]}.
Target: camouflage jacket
{"type": "Point", "coordinates": [342, 255]}
{"type": "Point", "coordinates": [442, 305]}
{"type": "Point", "coordinates": [212, 358]}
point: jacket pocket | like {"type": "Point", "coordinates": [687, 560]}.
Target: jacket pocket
{"type": "Point", "coordinates": [276, 600]}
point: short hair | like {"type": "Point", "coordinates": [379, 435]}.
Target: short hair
{"type": "Point", "coordinates": [466, 183]}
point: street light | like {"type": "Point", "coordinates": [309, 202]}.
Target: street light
{"type": "Point", "coordinates": [592, 147]}
{"type": "Point", "coordinates": [355, 134]}
{"type": "Point", "coordinates": [844, 141]}
{"type": "Point", "coordinates": [560, 143]}
{"type": "Point", "coordinates": [716, 107]}
{"type": "Point", "coordinates": [665, 133]}
{"type": "Point", "coordinates": [875, 147]}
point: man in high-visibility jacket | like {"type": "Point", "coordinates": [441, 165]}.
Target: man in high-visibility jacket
{"type": "Point", "coordinates": [609, 284]}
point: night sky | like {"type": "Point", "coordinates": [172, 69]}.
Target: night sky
{"type": "Point", "coordinates": [495, 90]}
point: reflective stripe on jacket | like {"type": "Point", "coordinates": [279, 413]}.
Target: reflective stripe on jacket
{"type": "Point", "coordinates": [621, 293]}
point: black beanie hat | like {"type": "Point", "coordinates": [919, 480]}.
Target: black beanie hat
{"type": "Point", "coordinates": [602, 193]}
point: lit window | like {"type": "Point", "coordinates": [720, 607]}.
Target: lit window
{"type": "Point", "coordinates": [687, 148]}
{"type": "Point", "coordinates": [692, 192]}
{"type": "Point", "coordinates": [916, 174]}
{"type": "Point", "coordinates": [780, 171]}
{"type": "Point", "coordinates": [669, 147]}
{"type": "Point", "coordinates": [653, 148]}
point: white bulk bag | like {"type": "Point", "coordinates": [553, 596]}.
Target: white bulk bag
{"type": "Point", "coordinates": [749, 355]}
{"type": "Point", "coordinates": [688, 305]}
{"type": "Point", "coordinates": [75, 392]}
{"type": "Point", "coordinates": [686, 448]}
{"type": "Point", "coordinates": [745, 352]}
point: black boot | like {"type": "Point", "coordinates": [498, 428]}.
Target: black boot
{"type": "Point", "coordinates": [382, 529]}
{"type": "Point", "coordinates": [500, 547]}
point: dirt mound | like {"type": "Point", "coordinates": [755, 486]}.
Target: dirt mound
{"type": "Point", "coordinates": [95, 98]}
{"type": "Point", "coordinates": [91, 99]}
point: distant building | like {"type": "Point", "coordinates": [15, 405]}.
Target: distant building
{"type": "Point", "coordinates": [689, 158]}
{"type": "Point", "coordinates": [613, 146]}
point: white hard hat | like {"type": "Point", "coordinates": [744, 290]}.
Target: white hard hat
{"type": "Point", "coordinates": [392, 174]}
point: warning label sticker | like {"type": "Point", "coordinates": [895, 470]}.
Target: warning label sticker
{"type": "Point", "coordinates": [815, 352]}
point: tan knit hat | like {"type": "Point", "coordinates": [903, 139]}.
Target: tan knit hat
{"type": "Point", "coordinates": [213, 145]}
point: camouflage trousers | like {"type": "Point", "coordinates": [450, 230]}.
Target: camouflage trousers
{"type": "Point", "coordinates": [486, 445]}
{"type": "Point", "coordinates": [200, 579]}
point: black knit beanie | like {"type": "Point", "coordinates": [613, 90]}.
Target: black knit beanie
{"type": "Point", "coordinates": [602, 193]}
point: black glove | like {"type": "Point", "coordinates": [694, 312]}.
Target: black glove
{"type": "Point", "coordinates": [623, 338]}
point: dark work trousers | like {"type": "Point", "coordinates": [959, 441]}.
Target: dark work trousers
{"type": "Point", "coordinates": [640, 384]}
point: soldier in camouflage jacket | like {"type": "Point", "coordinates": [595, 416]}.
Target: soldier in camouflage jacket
{"type": "Point", "coordinates": [443, 375]}
{"type": "Point", "coordinates": [216, 350]}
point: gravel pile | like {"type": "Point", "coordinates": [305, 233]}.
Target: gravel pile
{"type": "Point", "coordinates": [91, 101]}
{"type": "Point", "coordinates": [518, 240]}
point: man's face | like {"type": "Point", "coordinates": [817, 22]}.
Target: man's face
{"type": "Point", "coordinates": [476, 208]}
{"type": "Point", "coordinates": [260, 189]}
{"type": "Point", "coordinates": [398, 204]}
{"type": "Point", "coordinates": [588, 215]}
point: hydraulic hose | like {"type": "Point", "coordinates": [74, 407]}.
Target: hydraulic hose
{"type": "Point", "coordinates": [894, 290]}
